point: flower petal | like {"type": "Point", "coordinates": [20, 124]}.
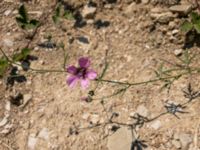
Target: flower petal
{"type": "Point", "coordinates": [91, 74]}
{"type": "Point", "coordinates": [72, 69]}
{"type": "Point", "coordinates": [84, 83]}
{"type": "Point", "coordinates": [72, 81]}
{"type": "Point", "coordinates": [84, 62]}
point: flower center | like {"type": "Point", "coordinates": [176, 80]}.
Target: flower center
{"type": "Point", "coordinates": [81, 72]}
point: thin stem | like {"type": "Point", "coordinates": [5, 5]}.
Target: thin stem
{"type": "Point", "coordinates": [138, 83]}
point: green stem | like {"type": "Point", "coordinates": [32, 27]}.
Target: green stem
{"type": "Point", "coordinates": [138, 83]}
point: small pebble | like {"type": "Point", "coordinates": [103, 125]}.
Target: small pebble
{"type": "Point", "coordinates": [3, 121]}
{"type": "Point", "coordinates": [32, 142]}
{"type": "Point", "coordinates": [178, 52]}
{"type": "Point", "coordinates": [44, 134]}
{"type": "Point", "coordinates": [7, 12]}
{"type": "Point", "coordinates": [156, 125]}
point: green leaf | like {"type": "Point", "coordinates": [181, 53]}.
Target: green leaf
{"type": "Point", "coordinates": [197, 28]}
{"type": "Point", "coordinates": [186, 26]}
{"type": "Point", "coordinates": [55, 19]}
{"type": "Point", "coordinates": [23, 55]}
{"type": "Point", "coordinates": [23, 13]}
{"type": "Point", "coordinates": [34, 22]}
{"type": "Point", "coordinates": [58, 10]}
{"type": "Point", "coordinates": [195, 18]}
{"type": "Point", "coordinates": [21, 20]}
{"type": "Point", "coordinates": [3, 66]}
{"type": "Point", "coordinates": [68, 15]}
{"type": "Point", "coordinates": [56, 16]}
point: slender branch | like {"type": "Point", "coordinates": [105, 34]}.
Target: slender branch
{"type": "Point", "coordinates": [138, 83]}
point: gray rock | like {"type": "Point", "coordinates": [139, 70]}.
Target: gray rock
{"type": "Point", "coordinates": [26, 99]}
{"type": "Point", "coordinates": [88, 11]}
{"type": "Point", "coordinates": [120, 140]}
{"type": "Point", "coordinates": [185, 140]}
{"type": "Point", "coordinates": [142, 110]}
{"type": "Point", "coordinates": [183, 9]}
{"type": "Point", "coordinates": [175, 31]}
{"type": "Point", "coordinates": [44, 134]}
{"type": "Point", "coordinates": [163, 17]}
{"type": "Point", "coordinates": [3, 121]}
{"type": "Point", "coordinates": [32, 142]}
{"type": "Point", "coordinates": [7, 12]}
{"type": "Point", "coordinates": [108, 6]}
{"type": "Point", "coordinates": [178, 52]}
{"type": "Point", "coordinates": [8, 42]}
{"type": "Point", "coordinates": [156, 125]}
{"type": "Point", "coordinates": [7, 106]}
{"type": "Point", "coordinates": [5, 131]}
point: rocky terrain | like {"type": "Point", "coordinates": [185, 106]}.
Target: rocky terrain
{"type": "Point", "coordinates": [39, 111]}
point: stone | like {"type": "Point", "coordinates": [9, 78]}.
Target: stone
{"type": "Point", "coordinates": [156, 125]}
{"type": "Point", "coordinates": [5, 131]}
{"type": "Point", "coordinates": [108, 6]}
{"type": "Point", "coordinates": [175, 31]}
{"type": "Point", "coordinates": [7, 106]}
{"type": "Point", "coordinates": [3, 121]}
{"type": "Point", "coordinates": [185, 140]}
{"type": "Point", "coordinates": [8, 126]}
{"type": "Point", "coordinates": [178, 52]}
{"type": "Point", "coordinates": [7, 12]}
{"type": "Point", "coordinates": [176, 144]}
{"type": "Point", "coordinates": [132, 114]}
{"type": "Point", "coordinates": [32, 142]}
{"type": "Point", "coordinates": [162, 17]}
{"type": "Point", "coordinates": [8, 42]}
{"type": "Point", "coordinates": [183, 9]}
{"type": "Point", "coordinates": [120, 140]}
{"type": "Point", "coordinates": [88, 12]}
{"type": "Point", "coordinates": [44, 134]}
{"type": "Point", "coordinates": [142, 110]}
{"type": "Point", "coordinates": [26, 98]}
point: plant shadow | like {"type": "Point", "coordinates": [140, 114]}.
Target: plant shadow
{"type": "Point", "coordinates": [191, 39]}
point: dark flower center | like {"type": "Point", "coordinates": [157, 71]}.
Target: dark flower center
{"type": "Point", "coordinates": [81, 72]}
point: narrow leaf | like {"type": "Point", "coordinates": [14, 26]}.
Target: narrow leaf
{"type": "Point", "coordinates": [3, 66]}
{"type": "Point", "coordinates": [34, 22]}
{"type": "Point", "coordinates": [23, 12]}
{"type": "Point", "coordinates": [195, 18]}
{"type": "Point", "coordinates": [68, 15]}
{"type": "Point", "coordinates": [197, 28]}
{"type": "Point", "coordinates": [186, 26]}
{"type": "Point", "coordinates": [22, 56]}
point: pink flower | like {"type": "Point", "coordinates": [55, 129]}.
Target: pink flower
{"type": "Point", "coordinates": [81, 73]}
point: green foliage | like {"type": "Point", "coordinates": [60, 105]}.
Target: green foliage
{"type": "Point", "coordinates": [22, 55]}
{"type": "Point", "coordinates": [59, 14]}
{"type": "Point", "coordinates": [5, 62]}
{"type": "Point", "coordinates": [193, 24]}
{"type": "Point", "coordinates": [24, 21]}
{"type": "Point", "coordinates": [56, 16]}
{"type": "Point", "coordinates": [3, 66]}
{"type": "Point", "coordinates": [68, 15]}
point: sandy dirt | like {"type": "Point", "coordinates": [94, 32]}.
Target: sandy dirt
{"type": "Point", "coordinates": [133, 44]}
